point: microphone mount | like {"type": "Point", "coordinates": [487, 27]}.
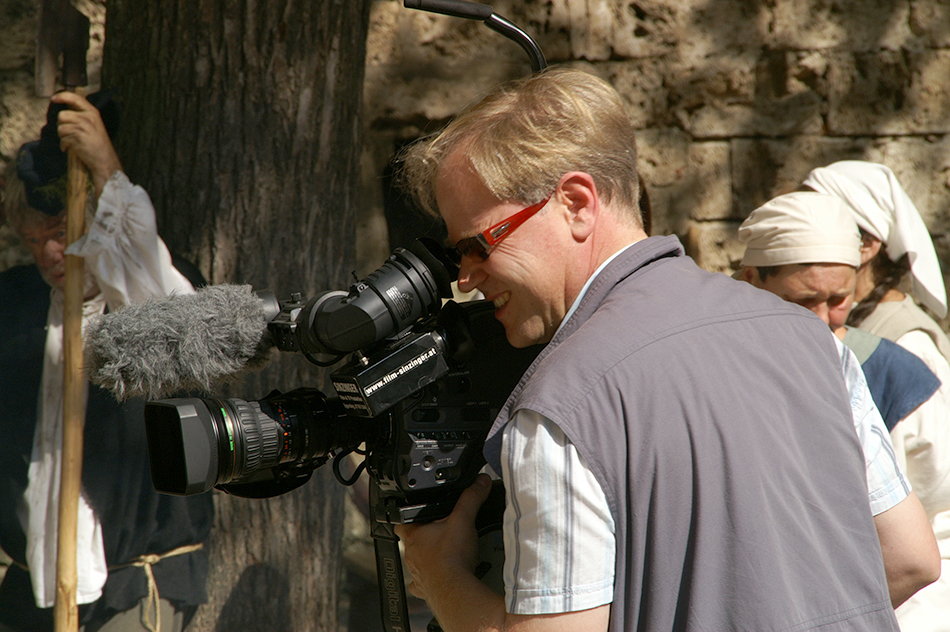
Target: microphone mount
{"type": "Point", "coordinates": [483, 12]}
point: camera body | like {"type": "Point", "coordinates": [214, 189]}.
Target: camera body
{"type": "Point", "coordinates": [448, 377]}
{"type": "Point", "coordinates": [418, 396]}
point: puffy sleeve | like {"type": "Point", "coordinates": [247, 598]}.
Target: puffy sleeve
{"type": "Point", "coordinates": [122, 249]}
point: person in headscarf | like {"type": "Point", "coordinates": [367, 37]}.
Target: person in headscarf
{"type": "Point", "coordinates": [895, 243]}
{"type": "Point", "coordinates": [806, 248]}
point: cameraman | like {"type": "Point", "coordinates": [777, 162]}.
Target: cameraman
{"type": "Point", "coordinates": [682, 455]}
{"type": "Point", "coordinates": [140, 561]}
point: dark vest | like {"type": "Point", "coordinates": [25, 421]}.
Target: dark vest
{"type": "Point", "coordinates": [898, 380]}
{"type": "Point", "coordinates": [715, 417]}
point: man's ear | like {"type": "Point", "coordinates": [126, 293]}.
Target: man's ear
{"type": "Point", "coordinates": [749, 274]}
{"type": "Point", "coordinates": [870, 247]}
{"type": "Point", "coordinates": [577, 192]}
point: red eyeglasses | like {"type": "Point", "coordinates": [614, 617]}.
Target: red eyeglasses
{"type": "Point", "coordinates": [482, 244]}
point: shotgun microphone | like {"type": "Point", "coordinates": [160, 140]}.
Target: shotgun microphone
{"type": "Point", "coordinates": [195, 341]}
{"type": "Point", "coordinates": [187, 341]}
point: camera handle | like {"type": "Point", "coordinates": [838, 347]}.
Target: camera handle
{"type": "Point", "coordinates": [477, 11]}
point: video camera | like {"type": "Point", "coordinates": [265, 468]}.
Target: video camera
{"type": "Point", "coordinates": [417, 399]}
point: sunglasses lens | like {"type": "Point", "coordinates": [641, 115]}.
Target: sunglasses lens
{"type": "Point", "coordinates": [472, 248]}
{"type": "Point", "coordinates": [453, 255]}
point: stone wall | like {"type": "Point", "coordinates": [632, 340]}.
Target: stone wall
{"type": "Point", "coordinates": [736, 100]}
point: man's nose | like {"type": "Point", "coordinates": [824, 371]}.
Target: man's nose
{"type": "Point", "coordinates": [54, 251]}
{"type": "Point", "coordinates": [470, 275]}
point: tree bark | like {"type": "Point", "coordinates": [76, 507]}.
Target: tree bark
{"type": "Point", "coordinates": [241, 120]}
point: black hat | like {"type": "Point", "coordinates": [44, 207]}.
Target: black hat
{"type": "Point", "coordinates": [41, 164]}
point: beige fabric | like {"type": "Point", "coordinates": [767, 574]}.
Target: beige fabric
{"type": "Point", "coordinates": [894, 319]}
{"type": "Point", "coordinates": [801, 227]}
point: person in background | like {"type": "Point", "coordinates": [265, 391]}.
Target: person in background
{"type": "Point", "coordinates": [682, 454]}
{"type": "Point", "coordinates": [895, 246]}
{"type": "Point", "coordinates": [806, 248]}
{"type": "Point", "coordinates": [140, 560]}
{"type": "Point", "coordinates": [897, 251]}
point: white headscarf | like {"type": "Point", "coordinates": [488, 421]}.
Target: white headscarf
{"type": "Point", "coordinates": [801, 227]}
{"type": "Point", "coordinates": [882, 208]}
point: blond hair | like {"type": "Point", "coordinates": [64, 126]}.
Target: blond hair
{"type": "Point", "coordinates": [523, 136]}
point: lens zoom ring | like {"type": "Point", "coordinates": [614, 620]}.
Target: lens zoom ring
{"type": "Point", "coordinates": [260, 436]}
{"type": "Point", "coordinates": [251, 429]}
{"type": "Point", "coordinates": [270, 439]}
{"type": "Point", "coordinates": [265, 439]}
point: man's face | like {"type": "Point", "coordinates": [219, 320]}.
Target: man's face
{"type": "Point", "coordinates": [526, 275]}
{"type": "Point", "coordinates": [827, 289]}
{"type": "Point", "coordinates": [46, 241]}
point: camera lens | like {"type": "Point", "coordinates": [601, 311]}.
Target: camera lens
{"type": "Point", "coordinates": [195, 444]}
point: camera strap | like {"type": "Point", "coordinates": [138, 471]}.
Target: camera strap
{"type": "Point", "coordinates": [392, 587]}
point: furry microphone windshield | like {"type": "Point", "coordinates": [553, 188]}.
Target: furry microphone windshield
{"type": "Point", "coordinates": [183, 342]}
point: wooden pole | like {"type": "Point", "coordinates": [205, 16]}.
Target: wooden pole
{"type": "Point", "coordinates": [65, 610]}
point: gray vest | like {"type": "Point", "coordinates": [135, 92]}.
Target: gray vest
{"type": "Point", "coordinates": [715, 417]}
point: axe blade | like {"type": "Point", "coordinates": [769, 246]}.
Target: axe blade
{"type": "Point", "coordinates": [75, 46]}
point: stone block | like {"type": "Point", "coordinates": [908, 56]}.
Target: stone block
{"type": "Point", "coordinates": [764, 168]}
{"type": "Point", "coordinates": [686, 181]}
{"type": "Point", "coordinates": [922, 165]}
{"type": "Point", "coordinates": [714, 27]}
{"type": "Point", "coordinates": [21, 113]}
{"type": "Point", "coordinates": [18, 27]}
{"type": "Point", "coordinates": [889, 93]}
{"type": "Point", "coordinates": [853, 24]}
{"type": "Point", "coordinates": [709, 194]}
{"type": "Point", "coordinates": [642, 85]}
{"type": "Point", "coordinates": [715, 246]}
{"type": "Point", "coordinates": [398, 95]}
{"type": "Point", "coordinates": [929, 20]}
{"type": "Point", "coordinates": [758, 93]}
{"type": "Point", "coordinates": [425, 67]}
{"type": "Point", "coordinates": [601, 30]}
{"type": "Point", "coordinates": [598, 30]}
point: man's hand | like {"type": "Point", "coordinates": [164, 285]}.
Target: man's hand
{"type": "Point", "coordinates": [438, 550]}
{"type": "Point", "coordinates": [81, 130]}
{"type": "Point", "coordinates": [442, 557]}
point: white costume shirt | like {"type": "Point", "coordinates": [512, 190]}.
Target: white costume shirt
{"type": "Point", "coordinates": [922, 443]}
{"type": "Point", "coordinates": [124, 256]}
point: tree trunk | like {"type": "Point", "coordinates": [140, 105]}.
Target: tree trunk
{"type": "Point", "coordinates": [241, 120]}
